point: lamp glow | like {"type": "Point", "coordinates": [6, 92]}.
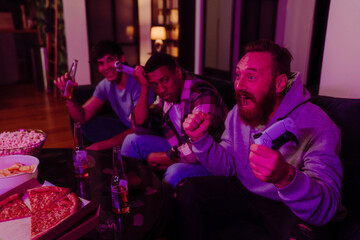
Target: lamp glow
{"type": "Point", "coordinates": [158, 33]}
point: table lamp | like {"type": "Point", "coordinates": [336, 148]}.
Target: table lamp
{"type": "Point", "coordinates": [130, 31]}
{"type": "Point", "coordinates": [158, 33]}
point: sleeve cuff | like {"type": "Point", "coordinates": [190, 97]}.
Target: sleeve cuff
{"type": "Point", "coordinates": [199, 140]}
{"type": "Point", "coordinates": [173, 153]}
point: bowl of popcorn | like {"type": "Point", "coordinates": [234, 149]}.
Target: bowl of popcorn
{"type": "Point", "coordinates": [22, 141]}
{"type": "Point", "coordinates": [17, 169]}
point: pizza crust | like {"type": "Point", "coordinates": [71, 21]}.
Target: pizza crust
{"type": "Point", "coordinates": [10, 198]}
{"type": "Point", "coordinates": [13, 208]}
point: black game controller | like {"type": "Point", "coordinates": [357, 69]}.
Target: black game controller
{"type": "Point", "coordinates": [278, 134]}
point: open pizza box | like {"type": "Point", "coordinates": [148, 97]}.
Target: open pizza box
{"type": "Point", "coordinates": [81, 222]}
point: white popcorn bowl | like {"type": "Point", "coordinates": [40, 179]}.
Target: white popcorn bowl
{"type": "Point", "coordinates": [10, 182]}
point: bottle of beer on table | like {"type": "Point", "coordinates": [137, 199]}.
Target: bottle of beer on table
{"type": "Point", "coordinates": [119, 185]}
{"type": "Point", "coordinates": [70, 83]}
{"type": "Point", "coordinates": [80, 159]}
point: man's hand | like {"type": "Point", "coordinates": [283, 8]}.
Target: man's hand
{"type": "Point", "coordinates": [60, 82]}
{"type": "Point", "coordinates": [270, 166]}
{"type": "Point", "coordinates": [111, 142]}
{"type": "Point", "coordinates": [196, 124]}
{"type": "Point", "coordinates": [159, 161]}
{"type": "Point", "coordinates": [95, 147]}
{"type": "Point", "coordinates": [139, 75]}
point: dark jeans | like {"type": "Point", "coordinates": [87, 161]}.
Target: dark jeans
{"type": "Point", "coordinates": [214, 207]}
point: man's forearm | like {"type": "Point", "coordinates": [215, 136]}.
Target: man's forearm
{"type": "Point", "coordinates": [76, 112]}
{"type": "Point", "coordinates": [142, 108]}
{"type": "Point", "coordinates": [119, 138]}
{"type": "Point", "coordinates": [217, 158]}
{"type": "Point", "coordinates": [111, 142]}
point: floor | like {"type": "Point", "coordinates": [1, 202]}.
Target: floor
{"type": "Point", "coordinates": [23, 106]}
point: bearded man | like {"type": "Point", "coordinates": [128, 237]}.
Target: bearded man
{"type": "Point", "coordinates": [258, 192]}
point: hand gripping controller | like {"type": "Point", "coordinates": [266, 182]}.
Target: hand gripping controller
{"type": "Point", "coordinates": [278, 134]}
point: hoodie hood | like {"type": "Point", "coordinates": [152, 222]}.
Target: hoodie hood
{"type": "Point", "coordinates": [296, 94]}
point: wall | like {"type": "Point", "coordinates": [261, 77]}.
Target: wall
{"type": "Point", "coordinates": [199, 23]}
{"type": "Point", "coordinates": [340, 70]}
{"type": "Point", "coordinates": [144, 30]}
{"type": "Point", "coordinates": [77, 38]}
{"type": "Point", "coordinates": [218, 34]}
{"type": "Point", "coordinates": [294, 31]}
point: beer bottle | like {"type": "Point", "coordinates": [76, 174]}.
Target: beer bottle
{"type": "Point", "coordinates": [83, 188]}
{"type": "Point", "coordinates": [79, 153]}
{"type": "Point", "coordinates": [119, 185]}
{"type": "Point", "coordinates": [120, 67]}
{"type": "Point", "coordinates": [70, 83]}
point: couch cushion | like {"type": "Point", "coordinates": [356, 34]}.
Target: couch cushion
{"type": "Point", "coordinates": [224, 87]}
{"type": "Point", "coordinates": [346, 115]}
{"type": "Point", "coordinates": [84, 92]}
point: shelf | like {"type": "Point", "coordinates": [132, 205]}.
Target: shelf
{"type": "Point", "coordinates": [165, 13]}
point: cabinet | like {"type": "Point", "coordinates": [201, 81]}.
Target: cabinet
{"type": "Point", "coordinates": [165, 13]}
{"type": "Point", "coordinates": [20, 60]}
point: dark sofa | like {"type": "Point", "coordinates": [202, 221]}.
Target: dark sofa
{"type": "Point", "coordinates": [346, 115]}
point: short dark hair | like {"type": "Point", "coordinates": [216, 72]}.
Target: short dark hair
{"type": "Point", "coordinates": [158, 60]}
{"type": "Point", "coordinates": [280, 55]}
{"type": "Point", "coordinates": [105, 47]}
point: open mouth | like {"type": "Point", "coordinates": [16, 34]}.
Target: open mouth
{"type": "Point", "coordinates": [244, 99]}
{"type": "Point", "coordinates": [246, 103]}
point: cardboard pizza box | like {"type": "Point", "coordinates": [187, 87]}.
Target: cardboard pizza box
{"type": "Point", "coordinates": [87, 214]}
{"type": "Point", "coordinates": [75, 226]}
{"type": "Point", "coordinates": [83, 227]}
{"type": "Point", "coordinates": [21, 188]}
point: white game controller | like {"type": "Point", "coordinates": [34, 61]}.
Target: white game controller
{"type": "Point", "coordinates": [123, 68]}
{"type": "Point", "coordinates": [278, 134]}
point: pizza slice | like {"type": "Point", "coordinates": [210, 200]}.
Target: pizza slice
{"type": "Point", "coordinates": [13, 207]}
{"type": "Point", "coordinates": [41, 197]}
{"type": "Point", "coordinates": [50, 216]}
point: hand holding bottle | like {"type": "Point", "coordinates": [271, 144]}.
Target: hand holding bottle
{"type": "Point", "coordinates": [70, 83]}
{"type": "Point", "coordinates": [66, 83]}
{"type": "Point", "coordinates": [60, 82]}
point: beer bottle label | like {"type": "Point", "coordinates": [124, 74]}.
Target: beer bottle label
{"type": "Point", "coordinates": [123, 183]}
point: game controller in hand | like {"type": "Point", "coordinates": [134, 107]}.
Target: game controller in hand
{"type": "Point", "coordinates": [278, 134]}
{"type": "Point", "coordinates": [123, 68]}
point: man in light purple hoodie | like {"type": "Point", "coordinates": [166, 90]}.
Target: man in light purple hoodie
{"type": "Point", "coordinates": [258, 192]}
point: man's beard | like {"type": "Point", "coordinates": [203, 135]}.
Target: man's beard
{"type": "Point", "coordinates": [259, 115]}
